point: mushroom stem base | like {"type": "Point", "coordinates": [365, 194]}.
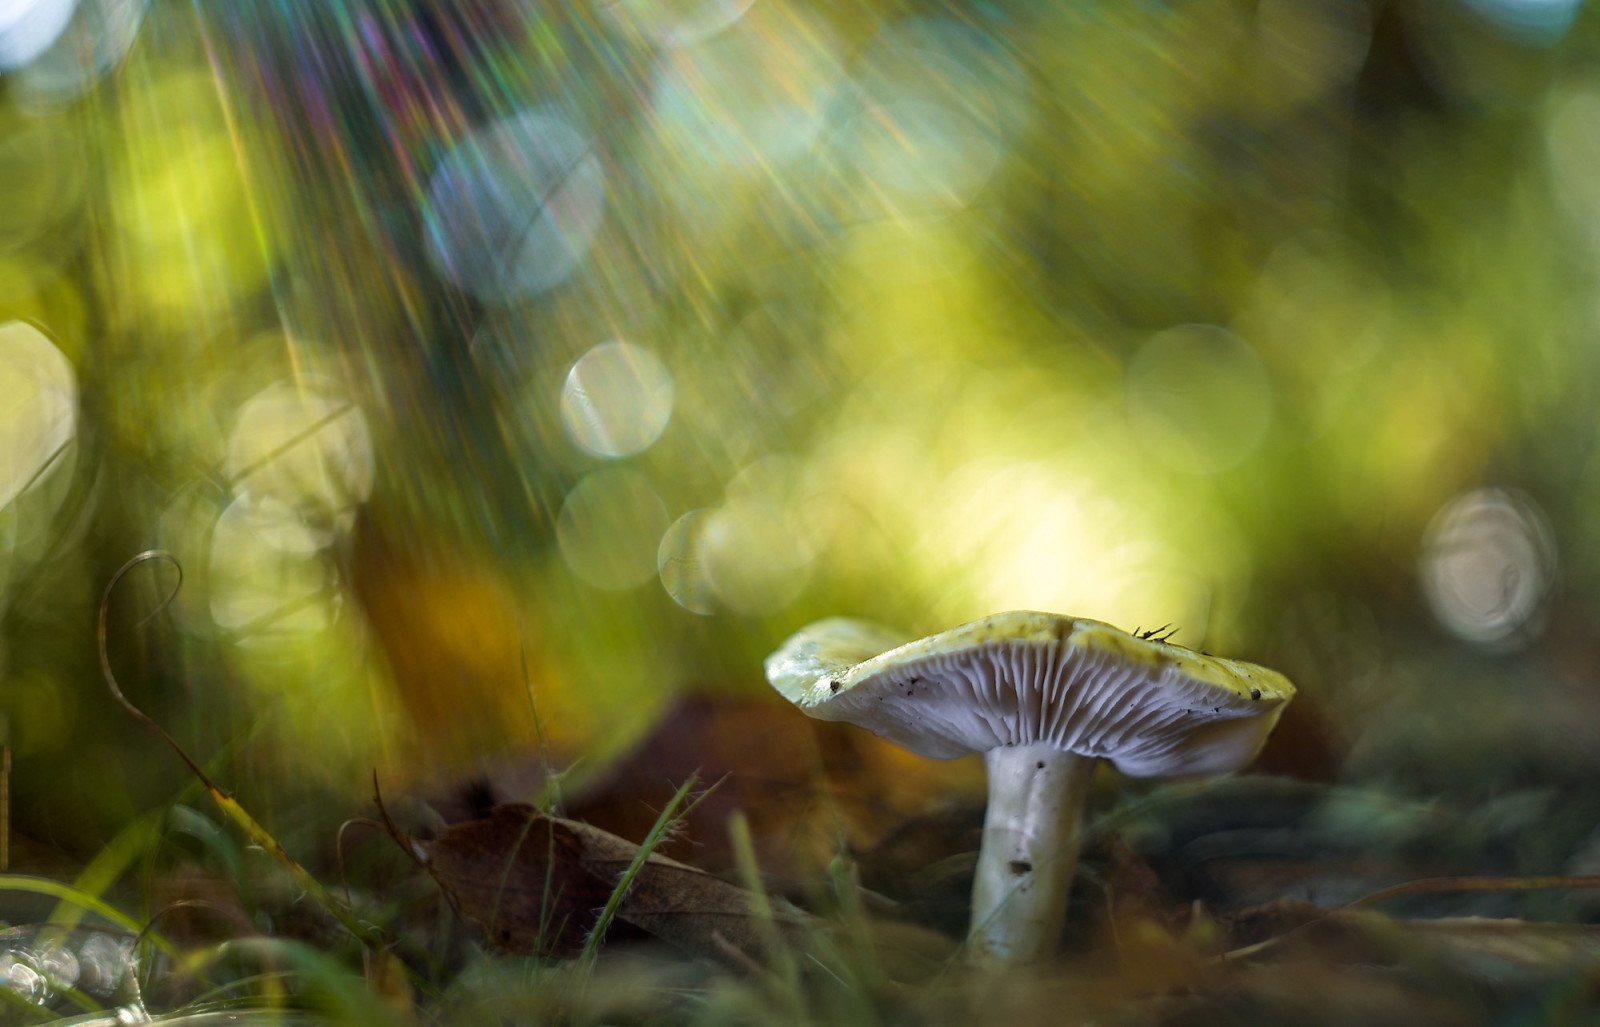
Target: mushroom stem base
{"type": "Point", "coordinates": [1029, 852]}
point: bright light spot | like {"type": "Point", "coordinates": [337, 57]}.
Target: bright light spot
{"type": "Point", "coordinates": [39, 411]}
{"type": "Point", "coordinates": [749, 561]}
{"type": "Point", "coordinates": [1534, 22]}
{"type": "Point", "coordinates": [97, 39]}
{"type": "Point", "coordinates": [617, 400]}
{"type": "Point", "coordinates": [58, 963]}
{"type": "Point", "coordinates": [1200, 398]}
{"type": "Point", "coordinates": [262, 590]}
{"type": "Point", "coordinates": [757, 547]}
{"type": "Point", "coordinates": [300, 460]}
{"type": "Point", "coordinates": [1034, 536]}
{"type": "Point", "coordinates": [1487, 562]}
{"type": "Point", "coordinates": [512, 209]}
{"type": "Point", "coordinates": [675, 22]}
{"type": "Point", "coordinates": [27, 27]}
{"type": "Point", "coordinates": [26, 983]}
{"type": "Point", "coordinates": [105, 960]}
{"type": "Point", "coordinates": [609, 528]}
{"type": "Point", "coordinates": [280, 526]}
{"type": "Point", "coordinates": [680, 560]}
{"type": "Point", "coordinates": [756, 95]}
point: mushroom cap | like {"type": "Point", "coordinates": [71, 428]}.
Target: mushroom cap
{"type": "Point", "coordinates": [1151, 708]}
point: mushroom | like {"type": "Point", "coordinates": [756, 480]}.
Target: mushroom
{"type": "Point", "coordinates": [1043, 697]}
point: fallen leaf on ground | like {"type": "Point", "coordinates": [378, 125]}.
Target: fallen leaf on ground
{"type": "Point", "coordinates": [686, 907]}
{"type": "Point", "coordinates": [520, 877]}
{"type": "Point", "coordinates": [537, 883]}
{"type": "Point", "coordinates": [804, 784]}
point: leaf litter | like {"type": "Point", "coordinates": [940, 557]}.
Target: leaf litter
{"type": "Point", "coordinates": [538, 884]}
{"type": "Point", "coordinates": [1250, 900]}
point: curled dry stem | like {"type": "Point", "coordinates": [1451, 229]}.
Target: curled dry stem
{"type": "Point", "coordinates": [368, 933]}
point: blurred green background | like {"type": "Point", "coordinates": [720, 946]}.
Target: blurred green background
{"type": "Point", "coordinates": [462, 351]}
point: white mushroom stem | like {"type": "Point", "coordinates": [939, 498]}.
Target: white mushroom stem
{"type": "Point", "coordinates": [1029, 852]}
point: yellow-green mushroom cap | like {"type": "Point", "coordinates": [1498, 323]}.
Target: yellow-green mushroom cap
{"type": "Point", "coordinates": [1147, 706]}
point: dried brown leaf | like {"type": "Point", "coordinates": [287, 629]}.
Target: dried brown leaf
{"type": "Point", "coordinates": [520, 876]}
{"type": "Point", "coordinates": [686, 907]}
{"type": "Point", "coordinates": [500, 871]}
{"type": "Point", "coordinates": [802, 783]}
